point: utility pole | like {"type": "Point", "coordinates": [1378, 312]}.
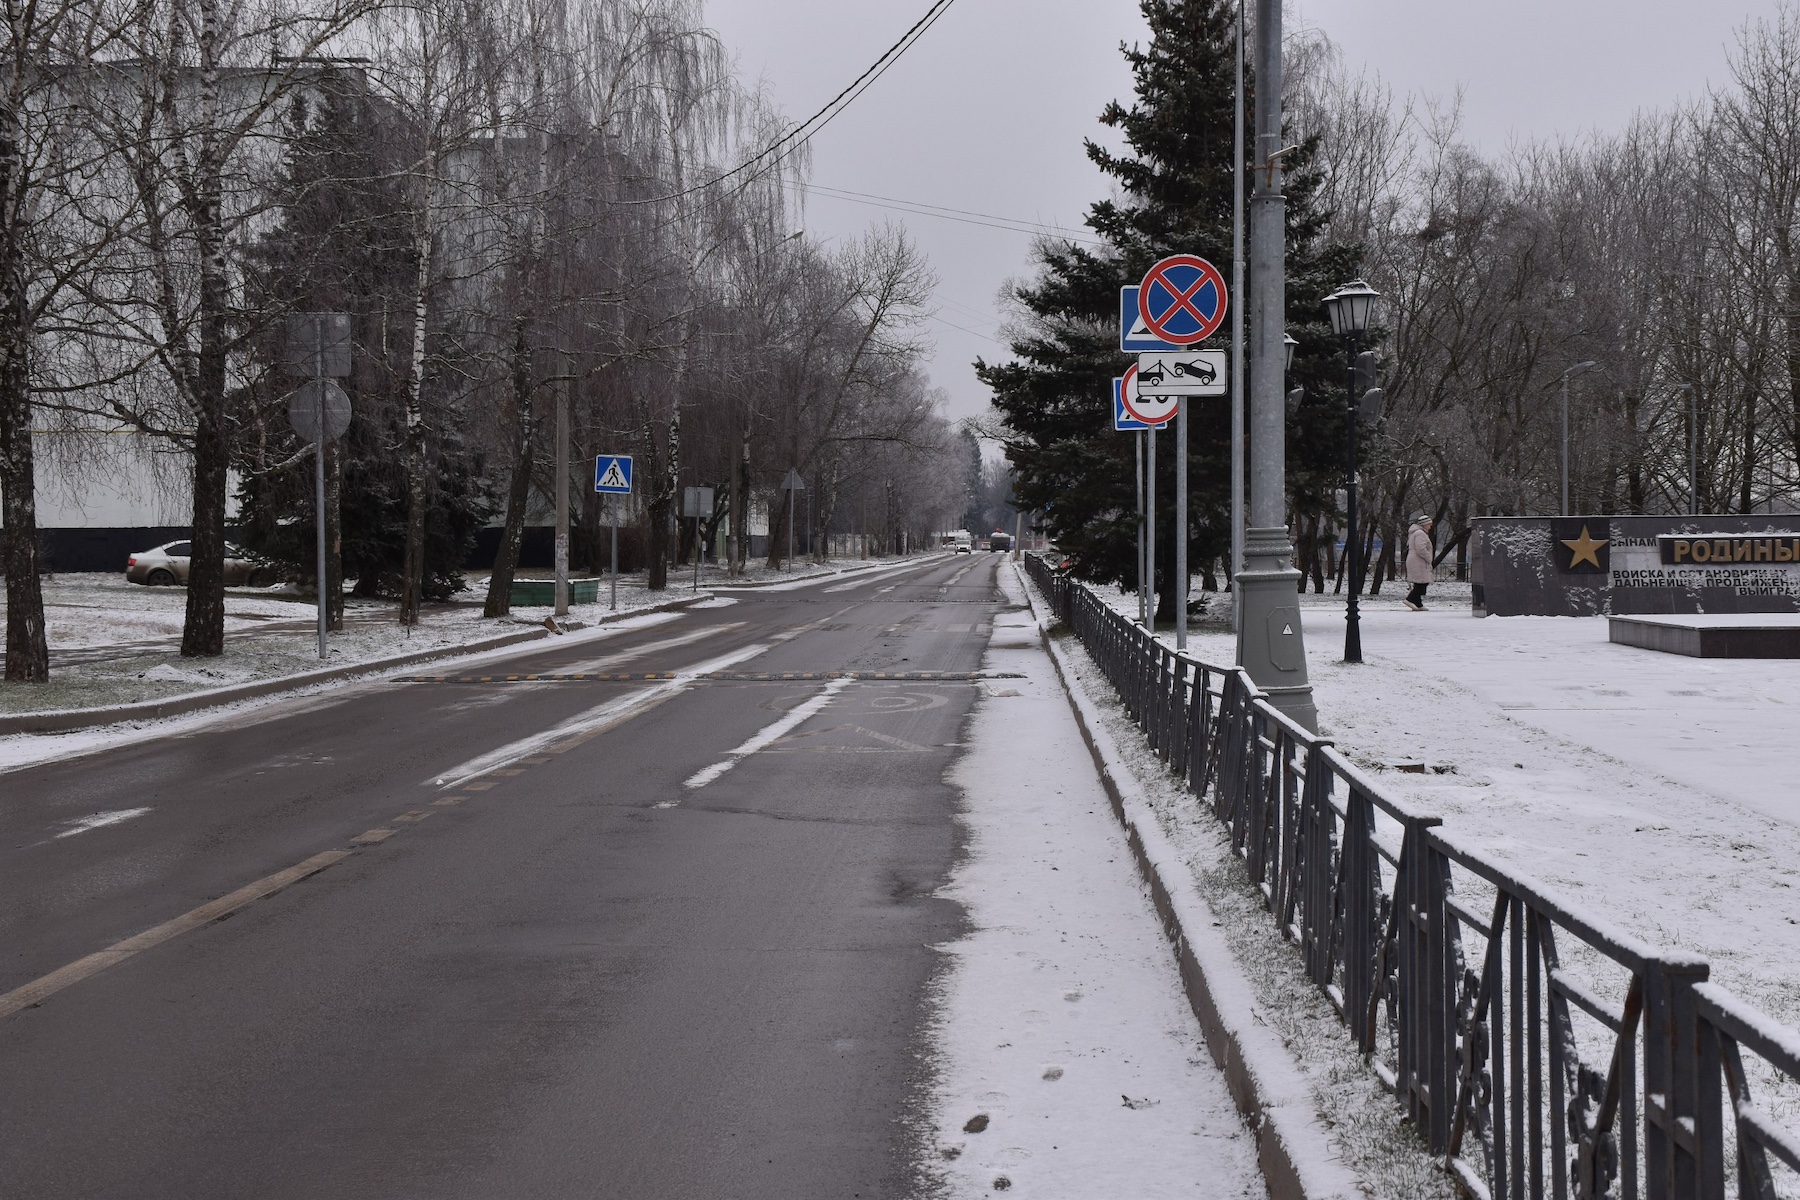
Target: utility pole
{"type": "Point", "coordinates": [1237, 337]}
{"type": "Point", "coordinates": [1271, 646]}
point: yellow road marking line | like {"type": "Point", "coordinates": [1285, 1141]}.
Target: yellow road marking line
{"type": "Point", "coordinates": [477, 786]}
{"type": "Point", "coordinates": [415, 815]}
{"type": "Point", "coordinates": [45, 986]}
{"type": "Point", "coordinates": [371, 836]}
{"type": "Point", "coordinates": [443, 800]}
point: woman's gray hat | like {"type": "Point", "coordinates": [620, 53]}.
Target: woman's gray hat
{"type": "Point", "coordinates": [1420, 515]}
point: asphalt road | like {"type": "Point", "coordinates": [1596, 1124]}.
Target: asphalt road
{"type": "Point", "coordinates": [658, 938]}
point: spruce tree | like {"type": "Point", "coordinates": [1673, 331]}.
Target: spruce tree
{"type": "Point", "coordinates": [341, 241]}
{"type": "Point", "coordinates": [1175, 183]}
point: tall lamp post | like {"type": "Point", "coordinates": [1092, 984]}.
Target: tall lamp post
{"type": "Point", "coordinates": [1350, 308]}
{"type": "Point", "coordinates": [1693, 432]}
{"type": "Point", "coordinates": [1577, 369]}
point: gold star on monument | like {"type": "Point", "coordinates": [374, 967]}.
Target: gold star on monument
{"type": "Point", "coordinates": [1585, 549]}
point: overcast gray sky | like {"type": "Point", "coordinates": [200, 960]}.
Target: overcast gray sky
{"type": "Point", "coordinates": [988, 111]}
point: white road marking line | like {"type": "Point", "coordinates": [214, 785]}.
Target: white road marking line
{"type": "Point", "coordinates": [757, 741]}
{"type": "Point", "coordinates": [791, 634]}
{"type": "Point", "coordinates": [852, 586]}
{"type": "Point", "coordinates": [100, 821]}
{"type": "Point", "coordinates": [624, 656]}
{"type": "Point", "coordinates": [594, 721]}
{"type": "Point", "coordinates": [44, 986]}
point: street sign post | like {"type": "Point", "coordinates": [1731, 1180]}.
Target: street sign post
{"type": "Point", "coordinates": [1182, 373]}
{"type": "Point", "coordinates": [1182, 300]}
{"type": "Point", "coordinates": [612, 477]}
{"type": "Point", "coordinates": [1135, 336]}
{"type": "Point", "coordinates": [791, 483]}
{"type": "Point", "coordinates": [697, 502]}
{"type": "Point", "coordinates": [318, 346]}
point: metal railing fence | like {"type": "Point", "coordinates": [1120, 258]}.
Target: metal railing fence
{"type": "Point", "coordinates": [1538, 1050]}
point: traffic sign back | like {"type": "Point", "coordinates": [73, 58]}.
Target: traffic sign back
{"type": "Point", "coordinates": [612, 474]}
{"type": "Point", "coordinates": [1182, 299]}
{"type": "Point", "coordinates": [303, 410]}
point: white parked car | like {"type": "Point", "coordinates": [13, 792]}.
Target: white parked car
{"type": "Point", "coordinates": [167, 565]}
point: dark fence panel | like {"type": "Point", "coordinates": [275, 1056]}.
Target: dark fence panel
{"type": "Point", "coordinates": [1539, 1050]}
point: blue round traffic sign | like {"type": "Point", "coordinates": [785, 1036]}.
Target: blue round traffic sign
{"type": "Point", "coordinates": [1182, 299]}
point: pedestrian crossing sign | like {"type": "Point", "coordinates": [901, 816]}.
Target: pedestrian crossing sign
{"type": "Point", "coordinates": [612, 474]}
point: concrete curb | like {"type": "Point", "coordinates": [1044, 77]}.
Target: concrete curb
{"type": "Point", "coordinates": [149, 710]}
{"type": "Point", "coordinates": [1295, 1155]}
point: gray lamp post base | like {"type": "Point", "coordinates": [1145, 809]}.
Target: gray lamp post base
{"type": "Point", "coordinates": [1271, 646]}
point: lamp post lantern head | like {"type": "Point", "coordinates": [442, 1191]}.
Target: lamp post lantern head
{"type": "Point", "coordinates": [1579, 367]}
{"type": "Point", "coordinates": [1350, 308]}
{"type": "Point", "coordinates": [1287, 345]}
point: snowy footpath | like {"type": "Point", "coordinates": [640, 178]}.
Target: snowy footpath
{"type": "Point", "coordinates": [1068, 1063]}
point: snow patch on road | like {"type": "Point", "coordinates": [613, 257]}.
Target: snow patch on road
{"type": "Point", "coordinates": [101, 821]}
{"type": "Point", "coordinates": [1069, 1063]}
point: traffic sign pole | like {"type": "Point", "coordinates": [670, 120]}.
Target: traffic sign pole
{"type": "Point", "coordinates": [612, 477]}
{"type": "Point", "coordinates": [1139, 495]}
{"type": "Point", "coordinates": [319, 473]}
{"type": "Point", "coordinates": [562, 499]}
{"type": "Point", "coordinates": [1181, 526]}
{"type": "Point", "coordinates": [1150, 527]}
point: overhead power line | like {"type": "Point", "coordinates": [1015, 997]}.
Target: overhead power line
{"type": "Point", "coordinates": [777, 151]}
{"type": "Point", "coordinates": [961, 215]}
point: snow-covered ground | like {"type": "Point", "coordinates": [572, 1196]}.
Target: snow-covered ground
{"type": "Point", "coordinates": [1069, 1063]}
{"type": "Point", "coordinates": [1651, 789]}
{"type": "Point", "coordinates": [113, 642]}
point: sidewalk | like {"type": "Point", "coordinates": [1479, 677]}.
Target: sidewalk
{"type": "Point", "coordinates": [1068, 1061]}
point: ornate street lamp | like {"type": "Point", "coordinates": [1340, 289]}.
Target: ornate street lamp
{"type": "Point", "coordinates": [1350, 309]}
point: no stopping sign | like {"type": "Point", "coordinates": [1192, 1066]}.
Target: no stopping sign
{"type": "Point", "coordinates": [1182, 299]}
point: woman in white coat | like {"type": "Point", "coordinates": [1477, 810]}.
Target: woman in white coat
{"type": "Point", "coordinates": [1418, 560]}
